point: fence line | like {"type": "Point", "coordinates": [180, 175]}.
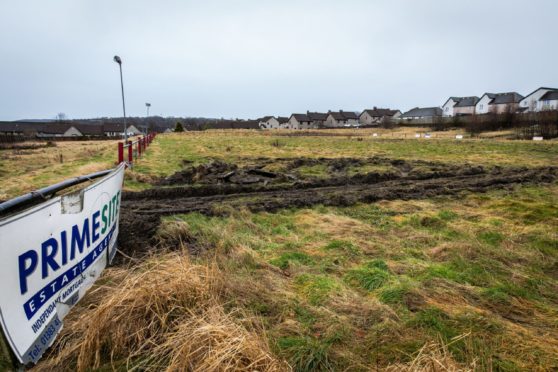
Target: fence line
{"type": "Point", "coordinates": [135, 148]}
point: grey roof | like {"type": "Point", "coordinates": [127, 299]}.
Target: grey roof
{"type": "Point", "coordinates": [343, 115]}
{"type": "Point", "coordinates": [423, 112]}
{"type": "Point", "coordinates": [282, 119]}
{"type": "Point", "coordinates": [56, 128]}
{"type": "Point", "coordinates": [301, 117]}
{"type": "Point", "coordinates": [316, 116]}
{"type": "Point", "coordinates": [113, 127]}
{"type": "Point", "coordinates": [380, 112]}
{"type": "Point", "coordinates": [503, 98]}
{"type": "Point", "coordinates": [536, 90]}
{"type": "Point", "coordinates": [455, 99]}
{"type": "Point", "coordinates": [90, 130]}
{"type": "Point", "coordinates": [20, 127]}
{"type": "Point", "coordinates": [549, 96]}
{"type": "Point", "coordinates": [467, 101]}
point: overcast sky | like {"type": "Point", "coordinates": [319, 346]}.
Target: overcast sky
{"type": "Point", "coordinates": [251, 58]}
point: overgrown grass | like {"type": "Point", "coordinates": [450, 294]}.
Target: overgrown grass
{"type": "Point", "coordinates": [469, 282]}
{"type": "Point", "coordinates": [166, 154]}
{"type": "Point", "coordinates": [332, 290]}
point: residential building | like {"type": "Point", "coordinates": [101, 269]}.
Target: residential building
{"type": "Point", "coordinates": [549, 101]}
{"type": "Point", "coordinates": [447, 108]}
{"type": "Point", "coordinates": [58, 130]}
{"type": "Point", "coordinates": [377, 116]}
{"type": "Point", "coordinates": [465, 106]}
{"type": "Point", "coordinates": [268, 122]}
{"type": "Point", "coordinates": [133, 130]}
{"type": "Point", "coordinates": [299, 121]}
{"type": "Point", "coordinates": [283, 121]}
{"type": "Point", "coordinates": [459, 106]}
{"type": "Point", "coordinates": [317, 119]}
{"type": "Point", "coordinates": [341, 118]}
{"type": "Point", "coordinates": [534, 102]}
{"type": "Point", "coordinates": [113, 129]}
{"type": "Point", "coordinates": [498, 103]}
{"type": "Point", "coordinates": [424, 113]}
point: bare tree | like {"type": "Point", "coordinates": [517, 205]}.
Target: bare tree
{"type": "Point", "coordinates": [60, 117]}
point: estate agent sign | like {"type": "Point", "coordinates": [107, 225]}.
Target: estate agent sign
{"type": "Point", "coordinates": [50, 255]}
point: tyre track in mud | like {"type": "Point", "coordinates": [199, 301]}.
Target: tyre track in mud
{"type": "Point", "coordinates": [141, 211]}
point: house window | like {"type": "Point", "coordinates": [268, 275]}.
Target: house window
{"type": "Point", "coordinates": [481, 107]}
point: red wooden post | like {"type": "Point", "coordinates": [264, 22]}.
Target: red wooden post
{"type": "Point", "coordinates": [144, 143]}
{"type": "Point", "coordinates": [130, 152]}
{"type": "Point", "coordinates": [120, 152]}
{"type": "Point", "coordinates": [139, 147]}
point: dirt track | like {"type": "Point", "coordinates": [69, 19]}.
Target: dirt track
{"type": "Point", "coordinates": [209, 193]}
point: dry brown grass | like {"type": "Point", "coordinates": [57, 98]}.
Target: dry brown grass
{"type": "Point", "coordinates": [434, 356]}
{"type": "Point", "coordinates": [165, 314]}
{"type": "Point", "coordinates": [22, 171]}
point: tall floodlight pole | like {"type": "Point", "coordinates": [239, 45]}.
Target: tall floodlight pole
{"type": "Point", "coordinates": [119, 61]}
{"type": "Point", "coordinates": [148, 105]}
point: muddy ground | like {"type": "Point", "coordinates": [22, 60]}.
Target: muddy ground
{"type": "Point", "coordinates": [264, 184]}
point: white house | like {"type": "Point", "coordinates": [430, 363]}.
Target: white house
{"type": "Point", "coordinates": [133, 130]}
{"type": "Point", "coordinates": [447, 108]}
{"type": "Point", "coordinates": [59, 130]}
{"type": "Point", "coordinates": [377, 116]}
{"type": "Point", "coordinates": [498, 103]}
{"type": "Point", "coordinates": [341, 119]}
{"type": "Point", "coordinates": [299, 121]}
{"type": "Point", "coordinates": [269, 122]}
{"type": "Point", "coordinates": [534, 101]}
{"type": "Point", "coordinates": [549, 101]}
{"type": "Point", "coordinates": [459, 106]}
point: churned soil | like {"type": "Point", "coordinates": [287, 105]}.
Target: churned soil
{"type": "Point", "coordinates": [216, 187]}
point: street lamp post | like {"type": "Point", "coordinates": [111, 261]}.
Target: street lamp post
{"type": "Point", "coordinates": [119, 61]}
{"type": "Point", "coordinates": [148, 105]}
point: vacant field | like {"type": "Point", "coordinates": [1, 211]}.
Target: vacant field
{"type": "Point", "coordinates": [260, 251]}
{"type": "Point", "coordinates": [29, 166]}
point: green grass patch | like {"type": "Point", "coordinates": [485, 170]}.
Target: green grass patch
{"type": "Point", "coordinates": [436, 321]}
{"type": "Point", "coordinates": [447, 215]}
{"type": "Point", "coordinates": [492, 238]}
{"type": "Point", "coordinates": [343, 246]}
{"type": "Point", "coordinates": [367, 278]}
{"type": "Point", "coordinates": [315, 288]}
{"type": "Point", "coordinates": [394, 294]}
{"type": "Point", "coordinates": [285, 259]}
{"type": "Point", "coordinates": [316, 171]}
{"type": "Point", "coordinates": [306, 353]}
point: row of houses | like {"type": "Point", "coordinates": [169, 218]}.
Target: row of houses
{"type": "Point", "coordinates": [331, 119]}
{"type": "Point", "coordinates": [541, 99]}
{"type": "Point", "coordinates": [52, 130]}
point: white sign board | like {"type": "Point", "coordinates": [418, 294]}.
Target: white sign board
{"type": "Point", "coordinates": [374, 134]}
{"type": "Point", "coordinates": [459, 136]}
{"type": "Point", "coordinates": [537, 138]}
{"type": "Point", "coordinates": [50, 255]}
{"type": "Point", "coordinates": [427, 135]}
{"type": "Point", "coordinates": [417, 135]}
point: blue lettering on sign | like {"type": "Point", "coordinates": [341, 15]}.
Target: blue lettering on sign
{"type": "Point", "coordinates": [47, 292]}
{"type": "Point", "coordinates": [54, 253]}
